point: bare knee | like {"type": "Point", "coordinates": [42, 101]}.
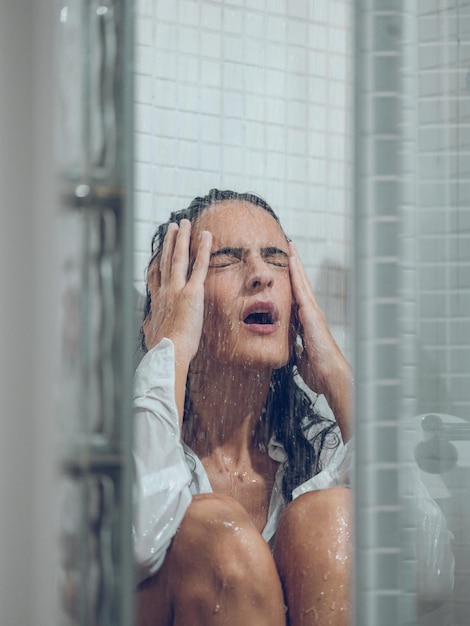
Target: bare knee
{"type": "Point", "coordinates": [317, 516]}
{"type": "Point", "coordinates": [218, 562]}
{"type": "Point", "coordinates": [218, 537]}
{"type": "Point", "coordinates": [312, 552]}
{"type": "Point", "coordinates": [213, 520]}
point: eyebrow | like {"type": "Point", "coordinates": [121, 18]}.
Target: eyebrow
{"type": "Point", "coordinates": [269, 251]}
{"type": "Point", "coordinates": [227, 250]}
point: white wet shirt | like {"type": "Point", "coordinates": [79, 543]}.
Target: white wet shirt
{"type": "Point", "coordinates": [168, 473]}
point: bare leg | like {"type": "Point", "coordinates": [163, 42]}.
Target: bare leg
{"type": "Point", "coordinates": [218, 570]}
{"type": "Point", "coordinates": [312, 552]}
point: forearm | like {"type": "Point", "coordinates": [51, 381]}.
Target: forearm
{"type": "Point", "coordinates": [335, 383]}
{"type": "Point", "coordinates": [326, 371]}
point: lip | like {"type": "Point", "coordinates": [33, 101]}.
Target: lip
{"type": "Point", "coordinates": [261, 307]}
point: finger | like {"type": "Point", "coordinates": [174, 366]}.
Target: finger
{"type": "Point", "coordinates": [167, 253]}
{"type": "Point", "coordinates": [203, 255]}
{"type": "Point", "coordinates": [180, 259]}
{"type": "Point", "coordinates": [301, 286]}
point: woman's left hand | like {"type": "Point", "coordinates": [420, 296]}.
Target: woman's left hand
{"type": "Point", "coordinates": [321, 363]}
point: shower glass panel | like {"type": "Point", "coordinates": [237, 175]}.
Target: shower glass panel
{"type": "Point", "coordinates": [412, 281]}
{"type": "Point", "coordinates": [441, 241]}
{"type": "Point", "coordinates": [96, 225]}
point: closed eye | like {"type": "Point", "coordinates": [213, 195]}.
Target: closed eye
{"type": "Point", "coordinates": [276, 257]}
{"type": "Point", "coordinates": [225, 257]}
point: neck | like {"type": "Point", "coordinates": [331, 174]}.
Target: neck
{"type": "Point", "coordinates": [227, 410]}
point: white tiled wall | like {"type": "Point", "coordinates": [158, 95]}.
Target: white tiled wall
{"type": "Point", "coordinates": [442, 255]}
{"type": "Point", "coordinates": [249, 95]}
{"type": "Point", "coordinates": [443, 221]}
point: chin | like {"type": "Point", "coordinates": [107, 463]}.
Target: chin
{"type": "Point", "coordinates": [253, 353]}
{"type": "Point", "coordinates": [259, 360]}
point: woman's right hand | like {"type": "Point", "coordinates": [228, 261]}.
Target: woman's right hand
{"type": "Point", "coordinates": [177, 296]}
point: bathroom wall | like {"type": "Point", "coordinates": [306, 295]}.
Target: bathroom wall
{"type": "Point", "coordinates": [253, 96]}
{"type": "Point", "coordinates": [441, 253]}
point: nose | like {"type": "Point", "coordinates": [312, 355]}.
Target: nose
{"type": "Point", "coordinates": [260, 274]}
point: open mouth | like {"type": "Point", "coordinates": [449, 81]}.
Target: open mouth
{"type": "Point", "coordinates": [261, 317]}
{"type": "Point", "coordinates": [261, 314]}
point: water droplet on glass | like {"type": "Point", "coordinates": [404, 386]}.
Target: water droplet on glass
{"type": "Point", "coordinates": [82, 191]}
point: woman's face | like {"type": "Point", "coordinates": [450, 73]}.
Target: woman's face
{"type": "Point", "coordinates": [248, 297]}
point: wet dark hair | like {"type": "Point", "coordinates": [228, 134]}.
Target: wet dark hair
{"type": "Point", "coordinates": [290, 411]}
{"type": "Point", "coordinates": [198, 205]}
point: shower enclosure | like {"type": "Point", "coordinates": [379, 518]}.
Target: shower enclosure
{"type": "Point", "coordinates": [353, 121]}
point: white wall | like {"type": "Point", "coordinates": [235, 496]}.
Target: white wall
{"type": "Point", "coordinates": [251, 96]}
{"type": "Point", "coordinates": [441, 254]}
{"type": "Point", "coordinates": [27, 313]}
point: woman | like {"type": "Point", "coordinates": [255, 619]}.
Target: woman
{"type": "Point", "coordinates": [239, 516]}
